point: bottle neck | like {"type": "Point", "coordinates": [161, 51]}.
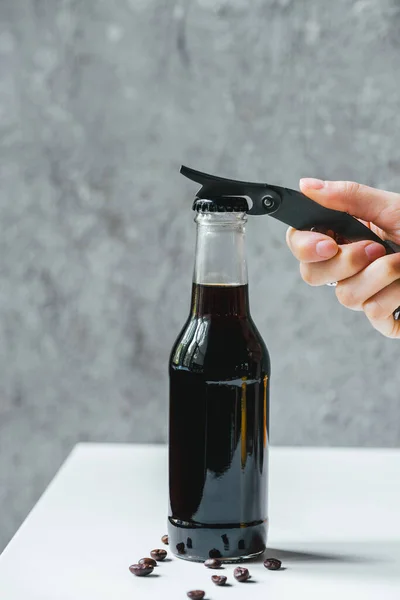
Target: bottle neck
{"type": "Point", "coordinates": [220, 249]}
{"type": "Point", "coordinates": [220, 282]}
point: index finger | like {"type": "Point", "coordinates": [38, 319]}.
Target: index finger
{"type": "Point", "coordinates": [310, 246]}
{"type": "Point", "coordinates": [379, 206]}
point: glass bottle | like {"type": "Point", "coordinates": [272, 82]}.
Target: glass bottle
{"type": "Point", "coordinates": [219, 403]}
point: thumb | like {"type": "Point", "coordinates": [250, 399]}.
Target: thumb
{"type": "Point", "coordinates": [369, 204]}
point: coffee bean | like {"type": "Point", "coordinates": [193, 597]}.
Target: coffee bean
{"type": "Point", "coordinates": [158, 554]}
{"type": "Point", "coordinates": [165, 540]}
{"type": "Point", "coordinates": [273, 564]}
{"type": "Point", "coordinates": [148, 561]}
{"type": "Point", "coordinates": [212, 563]}
{"type": "Point", "coordinates": [141, 570]}
{"type": "Point", "coordinates": [241, 574]}
{"type": "Point", "coordinates": [196, 595]}
{"type": "Point", "coordinates": [218, 579]}
{"type": "Point", "coordinates": [180, 547]}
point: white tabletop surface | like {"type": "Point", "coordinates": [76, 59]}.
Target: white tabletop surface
{"type": "Point", "coordinates": [335, 523]}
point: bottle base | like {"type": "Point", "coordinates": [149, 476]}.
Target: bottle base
{"type": "Point", "coordinates": [225, 561]}
{"type": "Point", "coordinates": [230, 544]}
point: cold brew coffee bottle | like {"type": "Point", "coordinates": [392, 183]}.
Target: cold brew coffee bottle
{"type": "Point", "coordinates": [219, 402]}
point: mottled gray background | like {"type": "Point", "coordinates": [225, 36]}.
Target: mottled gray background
{"type": "Point", "coordinates": [100, 102]}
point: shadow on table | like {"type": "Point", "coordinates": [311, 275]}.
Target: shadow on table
{"type": "Point", "coordinates": [375, 559]}
{"type": "Point", "coordinates": [318, 556]}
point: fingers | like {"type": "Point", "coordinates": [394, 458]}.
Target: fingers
{"type": "Point", "coordinates": [387, 327]}
{"type": "Point", "coordinates": [378, 206]}
{"type": "Point", "coordinates": [379, 310]}
{"type": "Point", "coordinates": [377, 278]}
{"type": "Point", "coordinates": [348, 261]}
{"type": "Point", "coordinates": [308, 246]}
{"type": "Point", "coordinates": [376, 291]}
{"type": "Point", "coordinates": [384, 303]}
{"type": "Point", "coordinates": [367, 279]}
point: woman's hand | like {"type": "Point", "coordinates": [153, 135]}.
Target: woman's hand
{"type": "Point", "coordinates": [368, 279]}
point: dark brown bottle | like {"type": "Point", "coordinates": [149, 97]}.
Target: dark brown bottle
{"type": "Point", "coordinates": [219, 406]}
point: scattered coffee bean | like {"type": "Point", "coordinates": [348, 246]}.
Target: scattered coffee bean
{"type": "Point", "coordinates": [218, 579]}
{"type": "Point", "coordinates": [180, 548]}
{"type": "Point", "coordinates": [148, 561]}
{"type": "Point", "coordinates": [241, 574]}
{"type": "Point", "coordinates": [212, 563]}
{"type": "Point", "coordinates": [273, 564]}
{"type": "Point", "coordinates": [196, 595]}
{"type": "Point", "coordinates": [165, 540]}
{"type": "Point", "coordinates": [158, 554]}
{"type": "Point", "coordinates": [141, 570]}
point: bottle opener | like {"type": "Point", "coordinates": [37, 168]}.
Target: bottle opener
{"type": "Point", "coordinates": [288, 206]}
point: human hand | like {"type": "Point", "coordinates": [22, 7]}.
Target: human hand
{"type": "Point", "coordinates": [367, 279]}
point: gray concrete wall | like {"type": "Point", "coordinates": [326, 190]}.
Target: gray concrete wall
{"type": "Point", "coordinates": [100, 102]}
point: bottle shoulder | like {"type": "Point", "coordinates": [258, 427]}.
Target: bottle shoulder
{"type": "Point", "coordinates": [211, 343]}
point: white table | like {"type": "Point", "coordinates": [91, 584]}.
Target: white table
{"type": "Point", "coordinates": [335, 522]}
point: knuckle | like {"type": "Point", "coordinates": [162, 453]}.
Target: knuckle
{"type": "Point", "coordinates": [389, 330]}
{"type": "Point", "coordinates": [349, 188]}
{"type": "Point", "coordinates": [373, 310]}
{"type": "Point", "coordinates": [345, 295]}
{"type": "Point", "coordinates": [394, 333]}
{"type": "Point", "coordinates": [355, 257]}
{"type": "Point", "coordinates": [307, 273]}
{"type": "Point", "coordinates": [391, 267]}
{"type": "Point", "coordinates": [389, 272]}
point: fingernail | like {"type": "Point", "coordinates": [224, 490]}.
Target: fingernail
{"type": "Point", "coordinates": [374, 251]}
{"type": "Point", "coordinates": [326, 248]}
{"type": "Point", "coordinates": [311, 183]}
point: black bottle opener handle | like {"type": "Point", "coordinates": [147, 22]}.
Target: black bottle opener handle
{"type": "Point", "coordinates": [297, 210]}
{"type": "Point", "coordinates": [288, 206]}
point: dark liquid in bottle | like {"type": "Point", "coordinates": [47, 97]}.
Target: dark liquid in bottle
{"type": "Point", "coordinates": [219, 414]}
